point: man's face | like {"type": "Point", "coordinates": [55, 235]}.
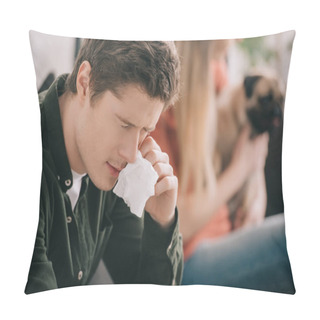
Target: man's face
{"type": "Point", "coordinates": [110, 131]}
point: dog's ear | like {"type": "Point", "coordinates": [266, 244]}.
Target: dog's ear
{"type": "Point", "coordinates": [249, 83]}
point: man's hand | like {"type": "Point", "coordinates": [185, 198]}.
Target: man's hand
{"type": "Point", "coordinates": [162, 205]}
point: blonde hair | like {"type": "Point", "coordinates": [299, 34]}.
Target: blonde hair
{"type": "Point", "coordinates": [195, 115]}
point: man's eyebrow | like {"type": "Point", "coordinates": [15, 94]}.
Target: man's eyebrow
{"type": "Point", "coordinates": [133, 125]}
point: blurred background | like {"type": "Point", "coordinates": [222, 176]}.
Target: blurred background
{"type": "Point", "coordinates": [56, 55]}
{"type": "Point", "coordinates": [270, 53]}
{"type": "Point", "coordinates": [261, 52]}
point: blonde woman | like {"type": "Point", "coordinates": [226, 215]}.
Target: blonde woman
{"type": "Point", "coordinates": [187, 133]}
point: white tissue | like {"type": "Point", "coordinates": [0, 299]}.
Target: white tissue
{"type": "Point", "coordinates": [136, 184]}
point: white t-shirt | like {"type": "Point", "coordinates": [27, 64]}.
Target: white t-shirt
{"type": "Point", "coordinates": [74, 191]}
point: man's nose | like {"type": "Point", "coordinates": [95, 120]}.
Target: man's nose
{"type": "Point", "coordinates": [129, 148]}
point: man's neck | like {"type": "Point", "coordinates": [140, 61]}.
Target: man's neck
{"type": "Point", "coordinates": [69, 114]}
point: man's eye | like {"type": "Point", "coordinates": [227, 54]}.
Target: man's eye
{"type": "Point", "coordinates": [125, 126]}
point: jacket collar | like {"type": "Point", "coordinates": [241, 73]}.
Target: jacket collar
{"type": "Point", "coordinates": [53, 139]}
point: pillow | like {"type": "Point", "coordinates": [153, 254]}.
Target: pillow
{"type": "Point", "coordinates": [232, 249]}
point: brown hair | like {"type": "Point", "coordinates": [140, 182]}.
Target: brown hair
{"type": "Point", "coordinates": [152, 65]}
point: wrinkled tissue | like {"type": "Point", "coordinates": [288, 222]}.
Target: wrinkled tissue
{"type": "Point", "coordinates": [136, 184]}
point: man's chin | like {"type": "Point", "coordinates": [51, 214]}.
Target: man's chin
{"type": "Point", "coordinates": [104, 185]}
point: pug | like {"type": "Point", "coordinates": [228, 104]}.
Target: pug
{"type": "Point", "coordinates": [258, 102]}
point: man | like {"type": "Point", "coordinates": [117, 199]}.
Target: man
{"type": "Point", "coordinates": [94, 121]}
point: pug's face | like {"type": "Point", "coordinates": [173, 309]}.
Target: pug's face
{"type": "Point", "coordinates": [264, 103]}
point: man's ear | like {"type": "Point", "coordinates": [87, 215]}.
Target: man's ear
{"type": "Point", "coordinates": [83, 79]}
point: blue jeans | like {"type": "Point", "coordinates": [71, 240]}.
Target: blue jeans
{"type": "Point", "coordinates": [254, 258]}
